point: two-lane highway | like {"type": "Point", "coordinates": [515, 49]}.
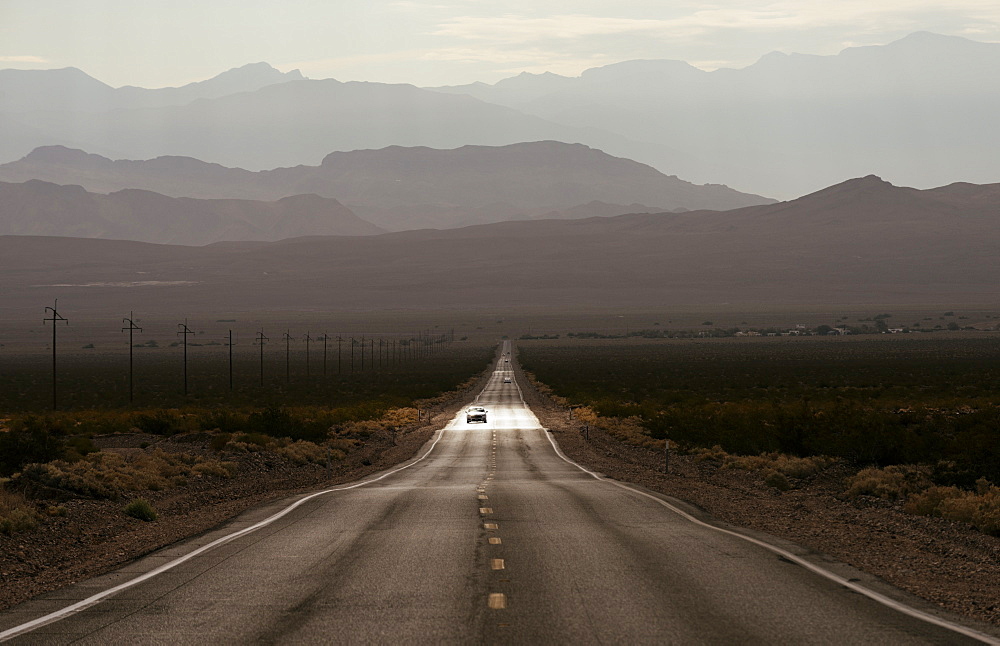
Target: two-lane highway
{"type": "Point", "coordinates": [489, 536]}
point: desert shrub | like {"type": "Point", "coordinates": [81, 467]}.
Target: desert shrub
{"type": "Point", "coordinates": [219, 441]}
{"type": "Point", "coordinates": [715, 454]}
{"type": "Point", "coordinates": [302, 452]}
{"type": "Point", "coordinates": [214, 468]}
{"type": "Point", "coordinates": [226, 421]}
{"type": "Point", "coordinates": [777, 480]}
{"type": "Point", "coordinates": [141, 509]}
{"type": "Point", "coordinates": [258, 440]}
{"type": "Point", "coordinates": [62, 475]}
{"type": "Point", "coordinates": [78, 446]}
{"type": "Point", "coordinates": [343, 444]}
{"type": "Point", "coordinates": [980, 508]}
{"type": "Point", "coordinates": [16, 513]}
{"type": "Point", "coordinates": [108, 475]}
{"type": "Point", "coordinates": [787, 465]}
{"type": "Point", "coordinates": [30, 439]}
{"type": "Point", "coordinates": [18, 520]}
{"type": "Point", "coordinates": [894, 482]}
{"type": "Point", "coordinates": [160, 422]}
{"type": "Point", "coordinates": [629, 430]}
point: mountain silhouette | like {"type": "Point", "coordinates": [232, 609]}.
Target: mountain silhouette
{"type": "Point", "coordinates": [405, 188]}
{"type": "Point", "coordinates": [919, 110]}
{"type": "Point", "coordinates": [41, 208]}
{"type": "Point", "coordinates": [863, 242]}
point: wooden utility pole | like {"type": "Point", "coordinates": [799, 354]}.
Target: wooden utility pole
{"type": "Point", "coordinates": [132, 327]}
{"type": "Point", "coordinates": [56, 316]}
{"type": "Point", "coordinates": [185, 331]}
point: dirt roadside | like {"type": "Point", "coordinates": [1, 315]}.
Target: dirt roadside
{"type": "Point", "coordinates": [947, 563]}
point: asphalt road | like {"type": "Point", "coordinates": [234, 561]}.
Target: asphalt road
{"type": "Point", "coordinates": [489, 537]}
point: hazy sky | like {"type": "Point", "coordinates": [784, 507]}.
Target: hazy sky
{"type": "Point", "coordinates": [155, 43]}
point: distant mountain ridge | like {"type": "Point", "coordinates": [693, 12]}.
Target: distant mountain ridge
{"type": "Point", "coordinates": [70, 89]}
{"type": "Point", "coordinates": [406, 188]}
{"type": "Point", "coordinates": [285, 124]}
{"type": "Point", "coordinates": [919, 110]}
{"type": "Point", "coordinates": [37, 208]}
{"type": "Point", "coordinates": [863, 241]}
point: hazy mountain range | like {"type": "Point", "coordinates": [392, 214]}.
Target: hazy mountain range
{"type": "Point", "coordinates": [43, 209]}
{"type": "Point", "coordinates": [407, 188]}
{"type": "Point", "coordinates": [920, 111]}
{"type": "Point", "coordinates": [860, 242]}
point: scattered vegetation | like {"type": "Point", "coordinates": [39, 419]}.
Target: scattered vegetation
{"type": "Point", "coordinates": [917, 419]}
{"type": "Point", "coordinates": [16, 513]}
{"type": "Point", "coordinates": [141, 509]}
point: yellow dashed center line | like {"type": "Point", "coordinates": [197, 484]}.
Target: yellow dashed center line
{"type": "Point", "coordinates": [497, 600]}
{"type": "Point", "coordinates": [497, 564]}
{"type": "Point", "coordinates": [485, 510]}
{"type": "Point", "coordinates": [490, 526]}
{"type": "Point", "coordinates": [495, 540]}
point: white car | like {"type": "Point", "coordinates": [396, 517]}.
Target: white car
{"type": "Point", "coordinates": [507, 380]}
{"type": "Point", "coordinates": [475, 414]}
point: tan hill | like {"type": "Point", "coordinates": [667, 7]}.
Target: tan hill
{"type": "Point", "coordinates": [860, 242]}
{"type": "Point", "coordinates": [406, 188]}
{"type": "Point", "coordinates": [35, 208]}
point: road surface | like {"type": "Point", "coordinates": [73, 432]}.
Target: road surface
{"type": "Point", "coordinates": [489, 536]}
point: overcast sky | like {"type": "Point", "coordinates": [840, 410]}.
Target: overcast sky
{"type": "Point", "coordinates": [156, 43]}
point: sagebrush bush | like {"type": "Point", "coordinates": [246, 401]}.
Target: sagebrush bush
{"type": "Point", "coordinates": [16, 513]}
{"type": "Point", "coordinates": [980, 508]}
{"type": "Point", "coordinates": [108, 475]}
{"type": "Point", "coordinates": [141, 509]}
{"type": "Point", "coordinates": [219, 441]}
{"type": "Point", "coordinates": [894, 482]}
{"type": "Point", "coordinates": [787, 465]}
{"type": "Point", "coordinates": [303, 452]}
{"type": "Point", "coordinates": [777, 480]}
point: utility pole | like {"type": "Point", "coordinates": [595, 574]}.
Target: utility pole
{"type": "Point", "coordinates": [185, 331]}
{"type": "Point", "coordinates": [326, 337]}
{"type": "Point", "coordinates": [288, 340]}
{"type": "Point", "coordinates": [260, 341]}
{"type": "Point", "coordinates": [362, 354]}
{"type": "Point", "coordinates": [132, 327]}
{"type": "Point", "coordinates": [352, 355]}
{"type": "Point", "coordinates": [230, 360]}
{"type": "Point", "coordinates": [308, 339]}
{"type": "Point", "coordinates": [56, 316]}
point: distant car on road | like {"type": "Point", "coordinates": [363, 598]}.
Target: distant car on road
{"type": "Point", "coordinates": [507, 380]}
{"type": "Point", "coordinates": [475, 414]}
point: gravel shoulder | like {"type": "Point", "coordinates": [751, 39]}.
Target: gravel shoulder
{"type": "Point", "coordinates": [947, 563]}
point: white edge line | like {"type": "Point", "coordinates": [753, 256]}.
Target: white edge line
{"type": "Point", "coordinates": [93, 600]}
{"type": "Point", "coordinates": [871, 594]}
